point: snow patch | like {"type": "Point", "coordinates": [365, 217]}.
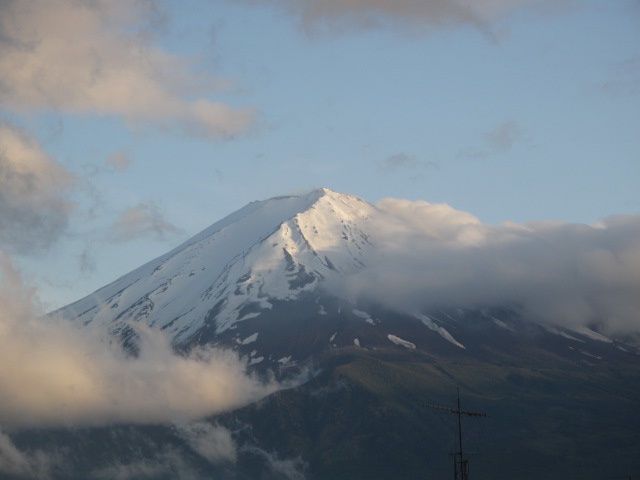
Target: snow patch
{"type": "Point", "coordinates": [587, 332]}
{"type": "Point", "coordinates": [431, 325]}
{"type": "Point", "coordinates": [356, 342]}
{"type": "Point", "coordinates": [248, 316]}
{"type": "Point", "coordinates": [401, 342]}
{"type": "Point", "coordinates": [563, 334]}
{"type": "Point", "coordinates": [249, 339]}
{"type": "Point", "coordinates": [364, 315]}
{"type": "Point", "coordinates": [255, 361]}
{"type": "Point", "coordinates": [587, 354]}
{"type": "Point", "coordinates": [500, 323]}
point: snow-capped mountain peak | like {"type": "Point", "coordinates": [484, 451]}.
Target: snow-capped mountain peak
{"type": "Point", "coordinates": [271, 249]}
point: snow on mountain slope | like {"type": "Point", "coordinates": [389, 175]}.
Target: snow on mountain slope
{"type": "Point", "coordinates": [273, 249]}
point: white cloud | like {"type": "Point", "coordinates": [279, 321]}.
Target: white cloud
{"type": "Point", "coordinates": [34, 190]}
{"type": "Point", "coordinates": [142, 220]}
{"type": "Point", "coordinates": [96, 57]}
{"type": "Point", "coordinates": [572, 275]}
{"type": "Point", "coordinates": [53, 373]}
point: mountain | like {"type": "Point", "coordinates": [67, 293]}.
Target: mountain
{"type": "Point", "coordinates": [271, 264]}
{"type": "Point", "coordinates": [269, 251]}
{"type": "Point", "coordinates": [266, 281]}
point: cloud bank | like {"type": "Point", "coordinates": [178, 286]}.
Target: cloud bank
{"type": "Point", "coordinates": [569, 275]}
{"type": "Point", "coordinates": [53, 373]}
{"type": "Point", "coordinates": [34, 191]}
{"type": "Point", "coordinates": [97, 57]}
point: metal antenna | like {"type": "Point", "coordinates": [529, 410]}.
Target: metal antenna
{"type": "Point", "coordinates": [461, 462]}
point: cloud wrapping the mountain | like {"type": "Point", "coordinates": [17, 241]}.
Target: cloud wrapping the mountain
{"type": "Point", "coordinates": [97, 57]}
{"type": "Point", "coordinates": [571, 275]}
{"type": "Point", "coordinates": [55, 373]}
{"type": "Point", "coordinates": [34, 193]}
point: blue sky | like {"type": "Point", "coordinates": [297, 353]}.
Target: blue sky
{"type": "Point", "coordinates": [530, 114]}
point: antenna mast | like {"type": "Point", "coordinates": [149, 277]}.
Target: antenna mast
{"type": "Point", "coordinates": [461, 462]}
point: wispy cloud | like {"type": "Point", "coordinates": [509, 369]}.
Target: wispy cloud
{"type": "Point", "coordinates": [499, 140]}
{"type": "Point", "coordinates": [504, 136]}
{"type": "Point", "coordinates": [118, 162]}
{"type": "Point", "coordinates": [165, 463]}
{"type": "Point", "coordinates": [212, 442]}
{"type": "Point", "coordinates": [287, 468]}
{"type": "Point", "coordinates": [404, 13]}
{"type": "Point", "coordinates": [34, 193]}
{"type": "Point", "coordinates": [142, 220]}
{"type": "Point", "coordinates": [84, 57]}
{"type": "Point", "coordinates": [17, 463]}
{"type": "Point", "coordinates": [404, 161]}
{"type": "Point", "coordinates": [624, 78]}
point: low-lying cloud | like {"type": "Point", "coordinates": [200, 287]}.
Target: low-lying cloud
{"type": "Point", "coordinates": [34, 193]}
{"type": "Point", "coordinates": [569, 275]}
{"type": "Point", "coordinates": [53, 373]}
{"type": "Point", "coordinates": [98, 57]}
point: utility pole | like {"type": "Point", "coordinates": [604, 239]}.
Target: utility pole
{"type": "Point", "coordinates": [460, 461]}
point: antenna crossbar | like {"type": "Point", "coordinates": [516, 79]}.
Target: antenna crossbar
{"type": "Point", "coordinates": [461, 462]}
